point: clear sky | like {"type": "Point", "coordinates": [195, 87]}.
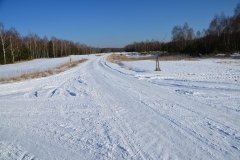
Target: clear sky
{"type": "Point", "coordinates": [109, 23]}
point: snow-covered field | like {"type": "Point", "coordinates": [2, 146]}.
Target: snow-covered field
{"type": "Point", "coordinates": [100, 110]}
{"type": "Point", "coordinates": [35, 65]}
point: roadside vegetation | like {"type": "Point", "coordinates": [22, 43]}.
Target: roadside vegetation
{"type": "Point", "coordinates": [116, 58]}
{"type": "Point", "coordinates": [39, 74]}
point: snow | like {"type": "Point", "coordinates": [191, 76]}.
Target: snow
{"type": "Point", "coordinates": [101, 110]}
{"type": "Point", "coordinates": [235, 55]}
{"type": "Point", "coordinates": [11, 70]}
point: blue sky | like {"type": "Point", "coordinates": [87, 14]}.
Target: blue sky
{"type": "Point", "coordinates": [109, 23]}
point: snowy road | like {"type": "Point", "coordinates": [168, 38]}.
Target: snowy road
{"type": "Point", "coordinates": [99, 111]}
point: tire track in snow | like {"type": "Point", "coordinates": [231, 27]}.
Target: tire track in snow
{"type": "Point", "coordinates": [206, 120]}
{"type": "Point", "coordinates": [204, 140]}
{"type": "Point", "coordinates": [120, 118]}
{"type": "Point", "coordinates": [62, 88]}
{"type": "Point", "coordinates": [107, 101]}
{"type": "Point", "coordinates": [231, 133]}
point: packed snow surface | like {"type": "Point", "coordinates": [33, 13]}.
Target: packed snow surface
{"type": "Point", "coordinates": [102, 110]}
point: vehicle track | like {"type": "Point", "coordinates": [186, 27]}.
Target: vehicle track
{"type": "Point", "coordinates": [215, 150]}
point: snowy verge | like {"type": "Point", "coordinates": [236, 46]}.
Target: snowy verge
{"type": "Point", "coordinates": [36, 65]}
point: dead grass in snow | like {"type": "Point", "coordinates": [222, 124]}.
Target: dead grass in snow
{"type": "Point", "coordinates": [39, 74]}
{"type": "Point", "coordinates": [122, 57]}
{"type": "Point", "coordinates": [117, 57]}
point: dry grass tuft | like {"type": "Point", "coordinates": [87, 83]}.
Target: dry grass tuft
{"type": "Point", "coordinates": [117, 57]}
{"type": "Point", "coordinates": [176, 58]}
{"type": "Point", "coordinates": [44, 74]}
{"type": "Point", "coordinates": [49, 72]}
{"type": "Point", "coordinates": [25, 76]}
{"type": "Point", "coordinates": [36, 74]}
{"type": "Point", "coordinates": [3, 79]}
{"type": "Point", "coordinates": [72, 65]}
{"type": "Point", "coordinates": [39, 74]}
{"type": "Point", "coordinates": [15, 79]}
{"type": "Point", "coordinates": [122, 57]}
{"type": "Point", "coordinates": [58, 71]}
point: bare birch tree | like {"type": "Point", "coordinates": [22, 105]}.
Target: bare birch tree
{"type": "Point", "coordinates": [3, 37]}
{"type": "Point", "coordinates": [35, 39]}
{"type": "Point", "coordinates": [54, 46]}
{"type": "Point", "coordinates": [45, 47]}
{"type": "Point", "coordinates": [14, 37]}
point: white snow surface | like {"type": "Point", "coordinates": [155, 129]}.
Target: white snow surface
{"type": "Point", "coordinates": [100, 110]}
{"type": "Point", "coordinates": [12, 70]}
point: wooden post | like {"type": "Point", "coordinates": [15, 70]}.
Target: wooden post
{"type": "Point", "coordinates": [157, 64]}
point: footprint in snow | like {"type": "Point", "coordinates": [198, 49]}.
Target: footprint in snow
{"type": "Point", "coordinates": [71, 93]}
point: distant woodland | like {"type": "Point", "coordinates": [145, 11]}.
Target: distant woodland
{"type": "Point", "coordinates": [14, 47]}
{"type": "Point", "coordinates": [222, 36]}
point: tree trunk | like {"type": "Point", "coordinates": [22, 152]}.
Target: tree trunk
{"type": "Point", "coordinates": [53, 49]}
{"type": "Point", "coordinates": [12, 50]}
{"type": "Point", "coordinates": [3, 46]}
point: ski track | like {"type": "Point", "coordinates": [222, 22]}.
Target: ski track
{"type": "Point", "coordinates": [98, 111]}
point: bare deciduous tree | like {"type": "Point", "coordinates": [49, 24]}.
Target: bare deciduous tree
{"type": "Point", "coordinates": [13, 36]}
{"type": "Point", "coordinates": [237, 10]}
{"type": "Point", "coordinates": [35, 40]}
{"type": "Point", "coordinates": [214, 27]}
{"type": "Point", "coordinates": [45, 47]}
{"type": "Point", "coordinates": [54, 40]}
{"type": "Point", "coordinates": [3, 37]}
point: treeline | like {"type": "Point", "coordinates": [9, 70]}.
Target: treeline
{"type": "Point", "coordinates": [146, 46]}
{"type": "Point", "coordinates": [222, 36]}
{"type": "Point", "coordinates": [108, 50]}
{"type": "Point", "coordinates": [14, 47]}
